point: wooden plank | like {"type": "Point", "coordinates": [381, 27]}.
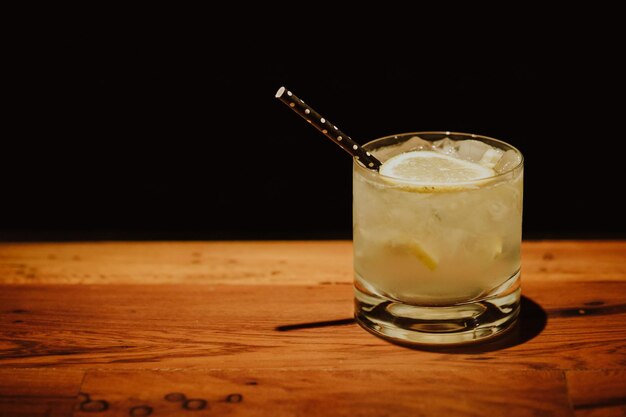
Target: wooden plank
{"type": "Point", "coordinates": [38, 392]}
{"type": "Point", "coordinates": [302, 263]}
{"type": "Point", "coordinates": [598, 393]}
{"type": "Point", "coordinates": [176, 262]}
{"type": "Point", "coordinates": [227, 326]}
{"type": "Point", "coordinates": [337, 393]}
{"type": "Point", "coordinates": [574, 260]}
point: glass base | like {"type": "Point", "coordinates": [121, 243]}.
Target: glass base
{"type": "Point", "coordinates": [476, 320]}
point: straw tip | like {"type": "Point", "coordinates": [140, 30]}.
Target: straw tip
{"type": "Point", "coordinates": [280, 92]}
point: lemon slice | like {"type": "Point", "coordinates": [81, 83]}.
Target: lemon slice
{"type": "Point", "coordinates": [420, 254]}
{"type": "Point", "coordinates": [432, 169]}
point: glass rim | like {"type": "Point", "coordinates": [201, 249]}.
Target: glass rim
{"type": "Point", "coordinates": [360, 165]}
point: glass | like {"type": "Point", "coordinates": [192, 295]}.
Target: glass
{"type": "Point", "coordinates": [438, 265]}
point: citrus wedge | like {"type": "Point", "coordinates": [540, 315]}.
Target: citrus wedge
{"type": "Point", "coordinates": [420, 254]}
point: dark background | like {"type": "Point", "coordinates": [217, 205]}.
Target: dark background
{"type": "Point", "coordinates": [169, 133]}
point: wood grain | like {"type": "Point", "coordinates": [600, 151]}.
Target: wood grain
{"type": "Point", "coordinates": [126, 326]}
{"type": "Point", "coordinates": [176, 263]}
{"type": "Point", "coordinates": [334, 393]}
{"type": "Point", "coordinates": [598, 393]}
{"type": "Point", "coordinates": [291, 263]}
{"type": "Point", "coordinates": [127, 323]}
{"type": "Point", "coordinates": [38, 392]}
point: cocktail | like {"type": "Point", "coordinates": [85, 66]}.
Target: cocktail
{"type": "Point", "coordinates": [437, 226]}
{"type": "Point", "coordinates": [437, 234]}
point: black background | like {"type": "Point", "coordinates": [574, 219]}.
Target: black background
{"type": "Point", "coordinates": [159, 132]}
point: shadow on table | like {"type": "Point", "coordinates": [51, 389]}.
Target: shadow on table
{"type": "Point", "coordinates": [531, 322]}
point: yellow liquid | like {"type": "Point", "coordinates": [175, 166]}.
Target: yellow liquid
{"type": "Point", "coordinates": [436, 247]}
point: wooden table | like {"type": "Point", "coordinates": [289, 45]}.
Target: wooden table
{"type": "Point", "coordinates": [265, 329]}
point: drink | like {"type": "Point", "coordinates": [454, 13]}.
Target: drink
{"type": "Point", "coordinates": [437, 236]}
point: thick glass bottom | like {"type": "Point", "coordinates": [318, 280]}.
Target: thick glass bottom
{"type": "Point", "coordinates": [476, 320]}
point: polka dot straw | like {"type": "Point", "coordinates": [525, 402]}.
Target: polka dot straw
{"type": "Point", "coordinates": [331, 131]}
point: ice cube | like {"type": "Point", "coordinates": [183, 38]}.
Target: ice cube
{"type": "Point", "coordinates": [417, 144]}
{"type": "Point", "coordinates": [446, 145]}
{"type": "Point", "coordinates": [413, 144]}
{"type": "Point", "coordinates": [386, 152]}
{"type": "Point", "coordinates": [472, 150]}
{"type": "Point", "coordinates": [509, 160]}
{"type": "Point", "coordinates": [491, 157]}
{"type": "Point", "coordinates": [498, 210]}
